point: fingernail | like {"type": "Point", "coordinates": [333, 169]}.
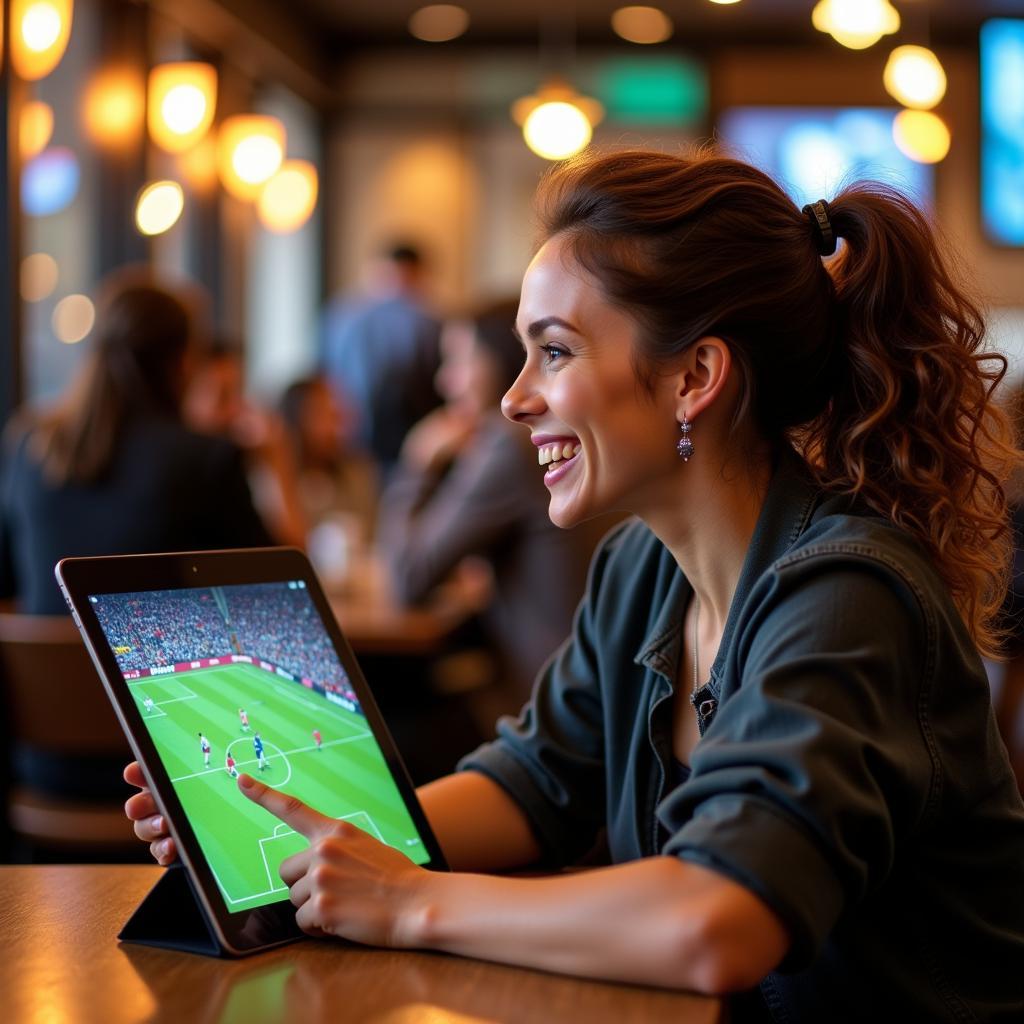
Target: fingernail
{"type": "Point", "coordinates": [246, 781]}
{"type": "Point", "coordinates": [164, 847]}
{"type": "Point", "coordinates": [157, 823]}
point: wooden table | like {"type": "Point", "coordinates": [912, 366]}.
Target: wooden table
{"type": "Point", "coordinates": [61, 964]}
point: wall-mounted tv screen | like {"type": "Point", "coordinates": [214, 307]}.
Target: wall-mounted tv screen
{"type": "Point", "coordinates": [1002, 130]}
{"type": "Point", "coordinates": [813, 151]}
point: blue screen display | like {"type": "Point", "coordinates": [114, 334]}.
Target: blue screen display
{"type": "Point", "coordinates": [1002, 130]}
{"type": "Point", "coordinates": [813, 151]}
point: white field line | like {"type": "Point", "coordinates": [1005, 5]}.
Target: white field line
{"type": "Point", "coordinates": [292, 832]}
{"type": "Point", "coordinates": [255, 760]}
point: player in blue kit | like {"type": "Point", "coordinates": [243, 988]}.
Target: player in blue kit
{"type": "Point", "coordinates": [257, 745]}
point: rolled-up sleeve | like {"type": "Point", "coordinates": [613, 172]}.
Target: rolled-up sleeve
{"type": "Point", "coordinates": [818, 766]}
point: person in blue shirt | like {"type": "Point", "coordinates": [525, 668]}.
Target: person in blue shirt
{"type": "Point", "coordinates": [257, 745]}
{"type": "Point", "coordinates": [771, 717]}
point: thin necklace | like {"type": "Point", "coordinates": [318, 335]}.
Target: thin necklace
{"type": "Point", "coordinates": [696, 620]}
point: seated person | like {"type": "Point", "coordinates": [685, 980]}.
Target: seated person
{"type": "Point", "coordinates": [337, 484]}
{"type": "Point", "coordinates": [468, 484]}
{"type": "Point", "coordinates": [215, 403]}
{"type": "Point", "coordinates": [773, 701]}
{"type": "Point", "coordinates": [112, 469]}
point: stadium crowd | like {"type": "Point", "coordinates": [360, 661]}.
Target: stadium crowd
{"type": "Point", "coordinates": [272, 622]}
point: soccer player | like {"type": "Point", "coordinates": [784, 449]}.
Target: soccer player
{"type": "Point", "coordinates": [317, 738]}
{"type": "Point", "coordinates": [147, 703]}
{"type": "Point", "coordinates": [244, 716]}
{"type": "Point", "coordinates": [230, 765]}
{"type": "Point", "coordinates": [257, 745]}
{"type": "Point", "coordinates": [204, 746]}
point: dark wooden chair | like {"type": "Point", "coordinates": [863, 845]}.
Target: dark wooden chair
{"type": "Point", "coordinates": [56, 708]}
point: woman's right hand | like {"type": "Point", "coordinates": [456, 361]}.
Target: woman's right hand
{"type": "Point", "coordinates": [150, 826]}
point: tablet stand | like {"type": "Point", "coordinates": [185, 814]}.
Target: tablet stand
{"type": "Point", "coordinates": [172, 917]}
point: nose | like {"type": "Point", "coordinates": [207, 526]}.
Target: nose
{"type": "Point", "coordinates": [522, 400]}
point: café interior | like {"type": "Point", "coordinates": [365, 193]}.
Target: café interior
{"type": "Point", "coordinates": [273, 165]}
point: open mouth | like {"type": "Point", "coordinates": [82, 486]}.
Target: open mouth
{"type": "Point", "coordinates": [558, 457]}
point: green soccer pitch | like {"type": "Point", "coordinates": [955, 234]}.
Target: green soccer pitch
{"type": "Point", "coordinates": [244, 844]}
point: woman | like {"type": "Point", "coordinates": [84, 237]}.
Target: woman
{"type": "Point", "coordinates": [337, 486]}
{"type": "Point", "coordinates": [112, 469]}
{"type": "Point", "coordinates": [772, 700]}
{"type": "Point", "coordinates": [467, 485]}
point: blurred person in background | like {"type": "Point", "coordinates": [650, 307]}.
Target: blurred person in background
{"type": "Point", "coordinates": [381, 351]}
{"type": "Point", "coordinates": [337, 484]}
{"type": "Point", "coordinates": [216, 404]}
{"type": "Point", "coordinates": [467, 485]}
{"type": "Point", "coordinates": [112, 468]}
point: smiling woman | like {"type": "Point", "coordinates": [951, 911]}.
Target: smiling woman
{"type": "Point", "coordinates": [772, 706]}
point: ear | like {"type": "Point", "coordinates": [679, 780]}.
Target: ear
{"type": "Point", "coordinates": [706, 370]}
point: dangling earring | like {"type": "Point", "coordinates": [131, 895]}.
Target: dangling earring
{"type": "Point", "coordinates": [684, 446]}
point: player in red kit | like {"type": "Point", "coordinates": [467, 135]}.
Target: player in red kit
{"type": "Point", "coordinates": [317, 738]}
{"type": "Point", "coordinates": [229, 764]}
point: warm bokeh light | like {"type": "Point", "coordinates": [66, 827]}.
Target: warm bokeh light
{"type": "Point", "coordinates": [73, 318]}
{"type": "Point", "coordinates": [158, 207]}
{"type": "Point", "coordinates": [250, 148]}
{"type": "Point", "coordinates": [722, 3]}
{"type": "Point", "coordinates": [288, 199]}
{"type": "Point", "coordinates": [114, 107]}
{"type": "Point", "coordinates": [35, 128]}
{"type": "Point", "coordinates": [439, 23]}
{"type": "Point", "coordinates": [557, 130]}
{"type": "Point", "coordinates": [49, 183]}
{"type": "Point", "coordinates": [39, 36]}
{"type": "Point", "coordinates": [643, 25]}
{"type": "Point", "coordinates": [198, 165]}
{"type": "Point", "coordinates": [557, 121]}
{"type": "Point", "coordinates": [856, 24]}
{"type": "Point", "coordinates": [921, 135]}
{"type": "Point", "coordinates": [914, 77]}
{"type": "Point", "coordinates": [38, 276]}
{"type": "Point", "coordinates": [181, 103]}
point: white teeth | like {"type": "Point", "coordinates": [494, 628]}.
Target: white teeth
{"type": "Point", "coordinates": [557, 452]}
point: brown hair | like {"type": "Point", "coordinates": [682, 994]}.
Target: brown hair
{"type": "Point", "coordinates": [136, 367]}
{"type": "Point", "coordinates": [871, 366]}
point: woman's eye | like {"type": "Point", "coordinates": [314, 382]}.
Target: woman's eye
{"type": "Point", "coordinates": [552, 353]}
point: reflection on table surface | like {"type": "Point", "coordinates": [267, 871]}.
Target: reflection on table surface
{"type": "Point", "coordinates": [62, 963]}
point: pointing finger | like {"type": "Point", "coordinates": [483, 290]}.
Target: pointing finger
{"type": "Point", "coordinates": [289, 809]}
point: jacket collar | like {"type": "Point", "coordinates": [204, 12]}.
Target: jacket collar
{"type": "Point", "coordinates": [785, 514]}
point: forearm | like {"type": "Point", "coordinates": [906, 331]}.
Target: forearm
{"type": "Point", "coordinates": [657, 921]}
{"type": "Point", "coordinates": [478, 825]}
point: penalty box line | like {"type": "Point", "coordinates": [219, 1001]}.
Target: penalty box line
{"type": "Point", "coordinates": [284, 753]}
{"type": "Point", "coordinates": [292, 832]}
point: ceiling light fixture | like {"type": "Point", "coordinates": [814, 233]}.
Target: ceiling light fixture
{"type": "Point", "coordinates": [643, 25]}
{"type": "Point", "coordinates": [914, 77]}
{"type": "Point", "coordinates": [856, 24]}
{"type": "Point", "coordinates": [557, 121]}
{"type": "Point", "coordinates": [439, 23]}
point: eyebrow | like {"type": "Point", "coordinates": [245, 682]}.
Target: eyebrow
{"type": "Point", "coordinates": [538, 327]}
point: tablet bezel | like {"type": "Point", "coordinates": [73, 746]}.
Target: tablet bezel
{"type": "Point", "coordinates": [243, 931]}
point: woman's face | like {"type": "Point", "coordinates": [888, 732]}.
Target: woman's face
{"type": "Point", "coordinates": [604, 442]}
{"type": "Point", "coordinates": [467, 377]}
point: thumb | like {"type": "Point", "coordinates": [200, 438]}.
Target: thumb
{"type": "Point", "coordinates": [290, 809]}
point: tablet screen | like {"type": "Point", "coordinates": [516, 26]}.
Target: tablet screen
{"type": "Point", "coordinates": [245, 678]}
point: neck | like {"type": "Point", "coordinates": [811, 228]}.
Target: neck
{"type": "Point", "coordinates": [709, 541]}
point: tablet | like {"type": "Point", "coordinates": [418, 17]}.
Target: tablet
{"type": "Point", "coordinates": [229, 661]}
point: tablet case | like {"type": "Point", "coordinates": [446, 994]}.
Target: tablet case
{"type": "Point", "coordinates": [172, 917]}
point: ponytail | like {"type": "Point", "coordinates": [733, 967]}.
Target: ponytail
{"type": "Point", "coordinates": [871, 365]}
{"type": "Point", "coordinates": [912, 428]}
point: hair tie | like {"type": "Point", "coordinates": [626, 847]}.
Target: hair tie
{"type": "Point", "coordinates": [819, 214]}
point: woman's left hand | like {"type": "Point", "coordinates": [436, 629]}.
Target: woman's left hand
{"type": "Point", "coordinates": [345, 883]}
